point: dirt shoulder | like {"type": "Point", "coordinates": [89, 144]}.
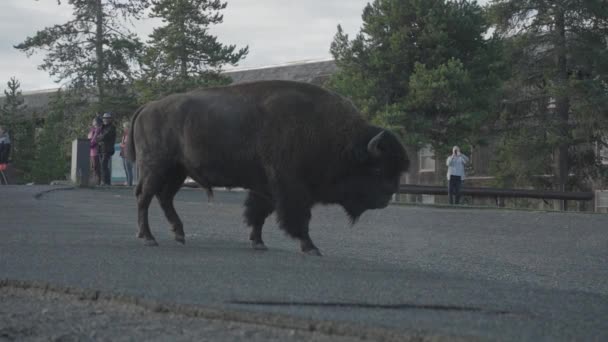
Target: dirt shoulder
{"type": "Point", "coordinates": [33, 315]}
{"type": "Point", "coordinates": [38, 312]}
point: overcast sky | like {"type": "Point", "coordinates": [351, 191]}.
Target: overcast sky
{"type": "Point", "coordinates": [277, 31]}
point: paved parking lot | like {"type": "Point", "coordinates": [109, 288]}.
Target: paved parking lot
{"type": "Point", "coordinates": [488, 274]}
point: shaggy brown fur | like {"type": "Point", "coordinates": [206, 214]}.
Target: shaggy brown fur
{"type": "Point", "coordinates": [291, 144]}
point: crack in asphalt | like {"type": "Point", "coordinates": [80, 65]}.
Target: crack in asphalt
{"type": "Point", "coordinates": [42, 193]}
{"type": "Point", "coordinates": [401, 306]}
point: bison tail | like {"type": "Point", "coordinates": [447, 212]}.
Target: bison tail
{"type": "Point", "coordinates": [131, 141]}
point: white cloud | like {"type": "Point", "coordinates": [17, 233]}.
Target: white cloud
{"type": "Point", "coordinates": [276, 31]}
{"type": "Point", "coordinates": [19, 19]}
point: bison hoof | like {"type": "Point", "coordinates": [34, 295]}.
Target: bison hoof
{"type": "Point", "coordinates": [181, 239]}
{"type": "Point", "coordinates": [150, 243]}
{"type": "Point", "coordinates": [140, 235]}
{"type": "Point", "coordinates": [259, 246]}
{"type": "Point", "coordinates": [313, 252]}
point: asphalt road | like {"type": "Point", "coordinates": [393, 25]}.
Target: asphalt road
{"type": "Point", "coordinates": [488, 274]}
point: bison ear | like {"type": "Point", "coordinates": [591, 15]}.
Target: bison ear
{"type": "Point", "coordinates": [372, 145]}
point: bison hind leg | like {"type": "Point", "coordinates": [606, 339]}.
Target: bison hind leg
{"type": "Point", "coordinates": [258, 205]}
{"type": "Point", "coordinates": [145, 193]}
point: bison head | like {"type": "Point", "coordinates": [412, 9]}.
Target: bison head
{"type": "Point", "coordinates": [376, 163]}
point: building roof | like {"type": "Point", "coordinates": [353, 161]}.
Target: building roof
{"type": "Point", "coordinates": [310, 71]}
{"type": "Point", "coordinates": [314, 71]}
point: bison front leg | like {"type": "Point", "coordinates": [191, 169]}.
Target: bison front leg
{"type": "Point", "coordinates": [293, 211]}
{"type": "Point", "coordinates": [258, 205]}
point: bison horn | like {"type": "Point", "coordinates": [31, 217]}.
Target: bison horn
{"type": "Point", "coordinates": [372, 146]}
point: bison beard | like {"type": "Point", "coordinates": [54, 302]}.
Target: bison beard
{"type": "Point", "coordinates": [292, 145]}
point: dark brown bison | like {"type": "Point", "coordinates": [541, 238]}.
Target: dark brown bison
{"type": "Point", "coordinates": [292, 145]}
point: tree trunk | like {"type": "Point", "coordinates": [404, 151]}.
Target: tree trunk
{"type": "Point", "coordinates": [562, 103]}
{"type": "Point", "coordinates": [184, 66]}
{"type": "Point", "coordinates": [99, 51]}
{"type": "Point", "coordinates": [183, 50]}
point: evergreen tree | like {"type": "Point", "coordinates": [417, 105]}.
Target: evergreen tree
{"type": "Point", "coordinates": [52, 160]}
{"type": "Point", "coordinates": [423, 68]}
{"type": "Point", "coordinates": [21, 128]}
{"type": "Point", "coordinates": [557, 98]}
{"type": "Point", "coordinates": [183, 54]}
{"type": "Point", "coordinates": [94, 50]}
{"type": "Point", "coordinates": [13, 107]}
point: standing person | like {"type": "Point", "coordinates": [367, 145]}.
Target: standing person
{"type": "Point", "coordinates": [126, 163]}
{"type": "Point", "coordinates": [5, 150]}
{"type": "Point", "coordinates": [105, 147]}
{"type": "Point", "coordinates": [5, 146]}
{"type": "Point", "coordinates": [93, 154]}
{"type": "Point", "coordinates": [455, 164]}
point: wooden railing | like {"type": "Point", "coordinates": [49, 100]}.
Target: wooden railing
{"type": "Point", "coordinates": [497, 193]}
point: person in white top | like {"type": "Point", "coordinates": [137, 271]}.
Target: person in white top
{"type": "Point", "coordinates": [455, 164]}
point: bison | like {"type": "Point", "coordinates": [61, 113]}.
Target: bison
{"type": "Point", "coordinates": [291, 145]}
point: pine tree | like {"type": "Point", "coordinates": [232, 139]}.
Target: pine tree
{"type": "Point", "coordinates": [183, 54]}
{"type": "Point", "coordinates": [13, 107]}
{"type": "Point", "coordinates": [558, 93]}
{"type": "Point", "coordinates": [94, 50]}
{"type": "Point", "coordinates": [21, 127]}
{"type": "Point", "coordinates": [51, 160]}
{"type": "Point", "coordinates": [423, 68]}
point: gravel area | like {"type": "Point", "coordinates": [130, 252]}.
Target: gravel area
{"type": "Point", "coordinates": [33, 315]}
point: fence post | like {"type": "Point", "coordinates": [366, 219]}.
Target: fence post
{"type": "Point", "coordinates": [80, 162]}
